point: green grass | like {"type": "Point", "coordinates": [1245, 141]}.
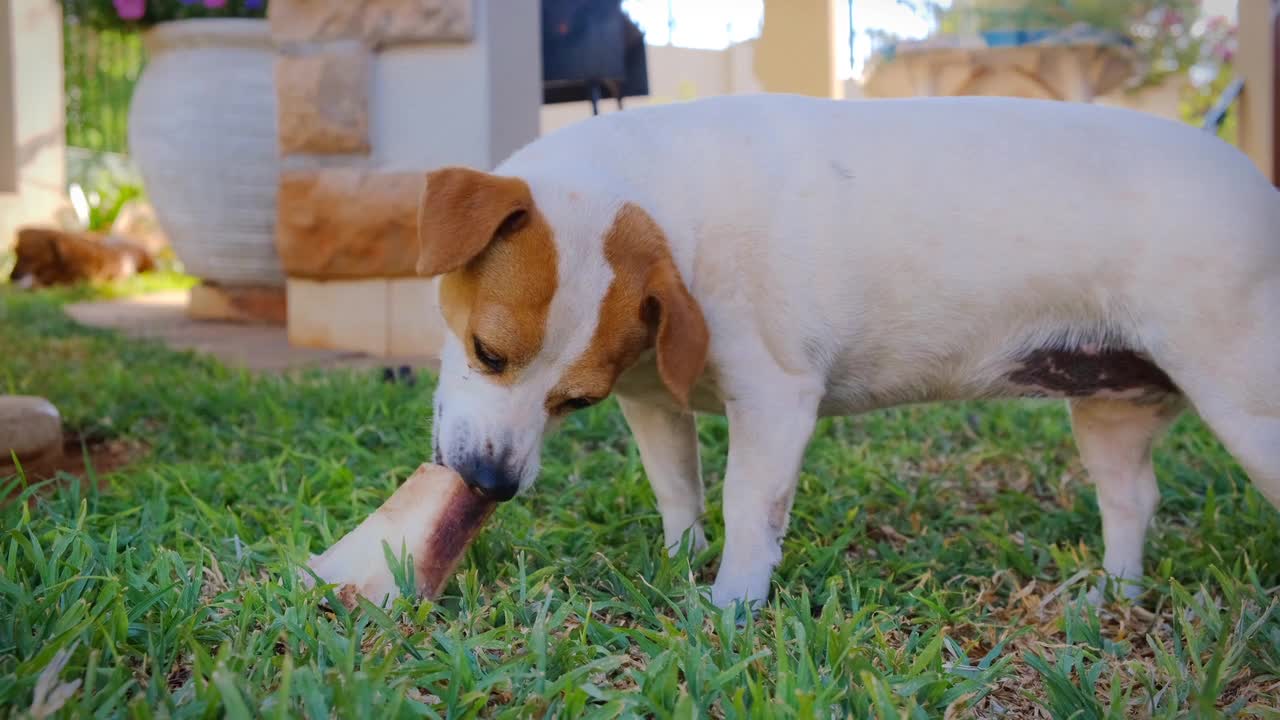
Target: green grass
{"type": "Point", "coordinates": [929, 569]}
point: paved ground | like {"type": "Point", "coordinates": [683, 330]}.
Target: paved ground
{"type": "Point", "coordinates": [161, 316]}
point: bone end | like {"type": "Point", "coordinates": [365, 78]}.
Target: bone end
{"type": "Point", "coordinates": [433, 516]}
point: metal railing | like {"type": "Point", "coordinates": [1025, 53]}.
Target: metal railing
{"type": "Point", "coordinates": [1217, 114]}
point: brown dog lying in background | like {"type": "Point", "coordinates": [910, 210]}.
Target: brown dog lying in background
{"type": "Point", "coordinates": [54, 257]}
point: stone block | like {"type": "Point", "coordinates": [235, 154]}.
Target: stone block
{"type": "Point", "coordinates": [323, 103]}
{"type": "Point", "coordinates": [417, 328]}
{"type": "Point", "coordinates": [30, 427]}
{"type": "Point", "coordinates": [242, 304]}
{"type": "Point", "coordinates": [376, 22]}
{"type": "Point", "coordinates": [339, 315]}
{"type": "Point", "coordinates": [390, 22]}
{"type": "Point", "coordinates": [348, 223]}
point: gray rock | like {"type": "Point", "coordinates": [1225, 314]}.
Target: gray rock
{"type": "Point", "coordinates": [29, 426]}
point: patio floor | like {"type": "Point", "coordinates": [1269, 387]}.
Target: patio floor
{"type": "Point", "coordinates": [162, 316]}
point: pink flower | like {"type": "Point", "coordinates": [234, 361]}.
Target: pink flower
{"type": "Point", "coordinates": [215, 3]}
{"type": "Point", "coordinates": [130, 9]}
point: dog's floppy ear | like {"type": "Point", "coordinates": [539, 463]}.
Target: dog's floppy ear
{"type": "Point", "coordinates": [679, 329]}
{"type": "Point", "coordinates": [462, 211]}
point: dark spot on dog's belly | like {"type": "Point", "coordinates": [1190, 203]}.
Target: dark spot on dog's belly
{"type": "Point", "coordinates": [1078, 373]}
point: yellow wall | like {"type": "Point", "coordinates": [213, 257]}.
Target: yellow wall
{"type": "Point", "coordinates": [676, 74]}
{"type": "Point", "coordinates": [796, 50]}
{"type": "Point", "coordinates": [1256, 63]}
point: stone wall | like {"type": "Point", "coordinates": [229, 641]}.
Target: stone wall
{"type": "Point", "coordinates": [372, 95]}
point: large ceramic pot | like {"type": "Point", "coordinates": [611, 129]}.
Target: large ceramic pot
{"type": "Point", "coordinates": [202, 132]}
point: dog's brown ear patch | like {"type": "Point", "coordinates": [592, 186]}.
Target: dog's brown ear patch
{"type": "Point", "coordinates": [462, 212]}
{"type": "Point", "coordinates": [681, 337]}
{"type": "Point", "coordinates": [646, 305]}
{"type": "Point", "coordinates": [496, 257]}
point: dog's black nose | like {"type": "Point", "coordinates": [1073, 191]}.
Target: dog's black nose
{"type": "Point", "coordinates": [490, 479]}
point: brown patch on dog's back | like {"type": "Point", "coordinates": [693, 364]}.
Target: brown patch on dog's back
{"type": "Point", "coordinates": [496, 256]}
{"type": "Point", "coordinates": [646, 304]}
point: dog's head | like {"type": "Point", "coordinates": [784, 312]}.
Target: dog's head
{"type": "Point", "coordinates": [548, 296]}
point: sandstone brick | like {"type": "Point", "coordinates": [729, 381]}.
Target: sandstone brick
{"type": "Point", "coordinates": [242, 304]}
{"type": "Point", "coordinates": [338, 315]}
{"type": "Point", "coordinates": [416, 327]}
{"type": "Point", "coordinates": [307, 21]}
{"type": "Point", "coordinates": [323, 102]}
{"type": "Point", "coordinates": [389, 22]}
{"type": "Point", "coordinates": [348, 223]}
{"type": "Point", "coordinates": [376, 22]}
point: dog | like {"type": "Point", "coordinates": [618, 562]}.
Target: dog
{"type": "Point", "coordinates": [777, 259]}
{"type": "Point", "coordinates": [47, 257]}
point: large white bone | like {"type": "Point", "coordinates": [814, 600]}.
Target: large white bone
{"type": "Point", "coordinates": [433, 517]}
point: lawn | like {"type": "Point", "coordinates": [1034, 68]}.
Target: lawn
{"type": "Point", "coordinates": [936, 565]}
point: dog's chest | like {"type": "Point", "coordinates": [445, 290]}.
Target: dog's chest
{"type": "Point", "coordinates": [642, 382]}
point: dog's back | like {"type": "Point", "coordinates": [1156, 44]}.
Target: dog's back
{"type": "Point", "coordinates": [1047, 220]}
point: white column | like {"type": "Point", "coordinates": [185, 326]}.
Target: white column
{"type": "Point", "coordinates": [32, 126]}
{"type": "Point", "coordinates": [1256, 64]}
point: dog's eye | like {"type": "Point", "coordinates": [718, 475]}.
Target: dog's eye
{"type": "Point", "coordinates": [578, 403]}
{"type": "Point", "coordinates": [494, 363]}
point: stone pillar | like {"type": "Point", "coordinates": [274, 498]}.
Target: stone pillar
{"type": "Point", "coordinates": [797, 51]}
{"type": "Point", "coordinates": [372, 95]}
{"type": "Point", "coordinates": [1256, 63]}
{"type": "Point", "coordinates": [32, 130]}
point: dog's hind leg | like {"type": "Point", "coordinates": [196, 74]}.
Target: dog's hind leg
{"type": "Point", "coordinates": [1115, 438]}
{"type": "Point", "coordinates": [1253, 439]}
{"type": "Point", "coordinates": [1233, 381]}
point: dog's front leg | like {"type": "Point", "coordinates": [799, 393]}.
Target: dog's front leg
{"type": "Point", "coordinates": [668, 444]}
{"type": "Point", "coordinates": [768, 433]}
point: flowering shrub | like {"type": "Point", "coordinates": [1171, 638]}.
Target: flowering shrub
{"type": "Point", "coordinates": [1170, 37]}
{"type": "Point", "coordinates": [140, 14]}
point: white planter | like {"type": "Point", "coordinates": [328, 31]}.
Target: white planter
{"type": "Point", "coordinates": [202, 132]}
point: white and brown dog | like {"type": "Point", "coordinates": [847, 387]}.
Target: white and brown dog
{"type": "Point", "coordinates": [778, 258]}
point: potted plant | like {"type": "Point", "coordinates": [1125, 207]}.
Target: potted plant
{"type": "Point", "coordinates": [202, 130]}
{"type": "Point", "coordinates": [1158, 30]}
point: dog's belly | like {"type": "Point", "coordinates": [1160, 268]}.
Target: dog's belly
{"type": "Point", "coordinates": [1072, 372]}
{"type": "Point", "coordinates": [1080, 372]}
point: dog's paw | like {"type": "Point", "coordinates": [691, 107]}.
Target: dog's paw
{"type": "Point", "coordinates": [731, 588]}
{"type": "Point", "coordinates": [1109, 587]}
